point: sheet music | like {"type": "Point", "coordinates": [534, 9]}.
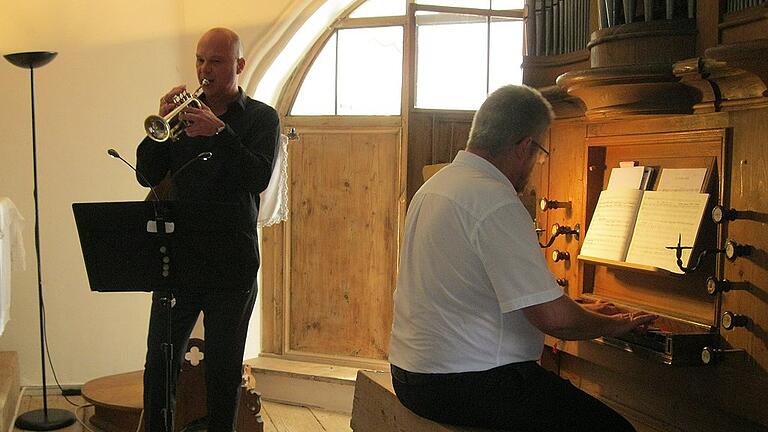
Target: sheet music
{"type": "Point", "coordinates": [626, 178]}
{"type": "Point", "coordinates": [662, 217]}
{"type": "Point", "coordinates": [612, 223]}
{"type": "Point", "coordinates": [682, 179]}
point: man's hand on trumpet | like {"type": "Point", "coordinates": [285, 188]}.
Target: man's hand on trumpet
{"type": "Point", "coordinates": [166, 102]}
{"type": "Point", "coordinates": [202, 121]}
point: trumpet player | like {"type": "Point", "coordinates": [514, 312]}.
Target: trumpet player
{"type": "Point", "coordinates": [242, 135]}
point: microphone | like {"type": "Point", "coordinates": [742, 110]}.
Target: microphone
{"type": "Point", "coordinates": [116, 155]}
{"type": "Point", "coordinates": [204, 156]}
{"type": "Point", "coordinates": [158, 225]}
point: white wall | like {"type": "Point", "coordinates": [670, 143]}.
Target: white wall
{"type": "Point", "coordinates": [115, 60]}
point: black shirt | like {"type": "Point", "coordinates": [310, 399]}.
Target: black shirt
{"type": "Point", "coordinates": [241, 165]}
{"type": "Point", "coordinates": [238, 170]}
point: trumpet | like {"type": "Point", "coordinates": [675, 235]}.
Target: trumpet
{"type": "Point", "coordinates": [161, 128]}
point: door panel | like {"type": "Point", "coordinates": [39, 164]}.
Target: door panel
{"type": "Point", "coordinates": [343, 231]}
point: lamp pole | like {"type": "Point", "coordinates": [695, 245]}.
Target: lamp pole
{"type": "Point", "coordinates": [44, 419]}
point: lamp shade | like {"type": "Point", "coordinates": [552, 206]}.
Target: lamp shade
{"type": "Point", "coordinates": [31, 59]}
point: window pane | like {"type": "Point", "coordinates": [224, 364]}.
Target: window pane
{"type": "Point", "coordinates": [507, 4]}
{"type": "Point", "coordinates": [475, 4]}
{"type": "Point", "coordinates": [506, 57]}
{"type": "Point", "coordinates": [318, 91]}
{"type": "Point", "coordinates": [451, 61]}
{"type": "Point", "coordinates": [370, 71]}
{"type": "Point", "coordinates": [377, 8]}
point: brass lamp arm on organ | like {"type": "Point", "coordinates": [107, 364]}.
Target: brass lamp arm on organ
{"type": "Point", "coordinates": [732, 250]}
{"type": "Point", "coordinates": [558, 230]}
{"type": "Point", "coordinates": [161, 128]}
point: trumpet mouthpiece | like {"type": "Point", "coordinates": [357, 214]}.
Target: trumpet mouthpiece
{"type": "Point", "coordinates": [204, 82]}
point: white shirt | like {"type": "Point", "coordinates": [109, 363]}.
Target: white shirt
{"type": "Point", "coordinates": [469, 263]}
{"type": "Point", "coordinates": [11, 252]}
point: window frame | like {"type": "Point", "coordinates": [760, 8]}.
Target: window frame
{"type": "Point", "coordinates": [410, 54]}
{"type": "Point", "coordinates": [290, 92]}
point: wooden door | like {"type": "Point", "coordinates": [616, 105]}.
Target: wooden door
{"type": "Point", "coordinates": [339, 247]}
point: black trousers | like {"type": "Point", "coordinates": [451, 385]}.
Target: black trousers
{"type": "Point", "coordinates": [226, 316]}
{"type": "Point", "coordinates": [515, 397]}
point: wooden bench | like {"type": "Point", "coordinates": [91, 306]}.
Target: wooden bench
{"type": "Point", "coordinates": [376, 408]}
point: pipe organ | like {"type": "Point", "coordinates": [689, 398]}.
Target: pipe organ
{"type": "Point", "coordinates": [667, 84]}
{"type": "Point", "coordinates": [670, 85]}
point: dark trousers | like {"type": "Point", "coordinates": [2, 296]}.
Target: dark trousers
{"type": "Point", "coordinates": [516, 397]}
{"type": "Point", "coordinates": [226, 316]}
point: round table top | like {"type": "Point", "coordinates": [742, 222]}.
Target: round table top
{"type": "Point", "coordinates": [122, 391]}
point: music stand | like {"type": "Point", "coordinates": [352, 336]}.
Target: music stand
{"type": "Point", "coordinates": [164, 246]}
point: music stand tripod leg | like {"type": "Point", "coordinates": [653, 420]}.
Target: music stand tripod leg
{"type": "Point", "coordinates": [168, 411]}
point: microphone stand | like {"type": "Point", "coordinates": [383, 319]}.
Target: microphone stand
{"type": "Point", "coordinates": [45, 419]}
{"type": "Point", "coordinates": [162, 226]}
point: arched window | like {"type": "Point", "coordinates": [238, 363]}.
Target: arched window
{"type": "Point", "coordinates": [463, 50]}
{"type": "Point", "coordinates": [358, 72]}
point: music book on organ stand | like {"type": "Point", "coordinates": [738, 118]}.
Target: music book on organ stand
{"type": "Point", "coordinates": [635, 226]}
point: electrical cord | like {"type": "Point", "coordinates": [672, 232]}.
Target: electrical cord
{"type": "Point", "coordinates": [48, 354]}
{"type": "Point", "coordinates": [82, 421]}
{"type": "Point", "coordinates": [141, 420]}
{"type": "Point", "coordinates": [18, 404]}
{"type": "Point", "coordinates": [56, 379]}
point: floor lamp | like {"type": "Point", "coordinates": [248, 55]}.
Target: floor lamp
{"type": "Point", "coordinates": [44, 419]}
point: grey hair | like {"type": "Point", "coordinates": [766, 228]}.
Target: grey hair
{"type": "Point", "coordinates": [507, 116]}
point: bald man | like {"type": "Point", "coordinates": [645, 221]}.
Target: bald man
{"type": "Point", "coordinates": [242, 134]}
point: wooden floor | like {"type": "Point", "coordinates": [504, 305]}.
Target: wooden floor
{"type": "Point", "coordinates": [277, 417]}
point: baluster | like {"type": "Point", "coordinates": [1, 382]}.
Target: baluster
{"type": "Point", "coordinates": [670, 9]}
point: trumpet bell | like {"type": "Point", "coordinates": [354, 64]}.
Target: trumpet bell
{"type": "Point", "coordinates": [157, 128]}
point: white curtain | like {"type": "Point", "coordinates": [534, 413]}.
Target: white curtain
{"type": "Point", "coordinates": [273, 207]}
{"type": "Point", "coordinates": [12, 254]}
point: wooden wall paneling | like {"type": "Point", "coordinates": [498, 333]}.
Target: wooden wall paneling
{"type": "Point", "coordinates": [669, 399]}
{"type": "Point", "coordinates": [537, 188]}
{"type": "Point", "coordinates": [658, 124]}
{"type": "Point", "coordinates": [659, 41]}
{"type": "Point", "coordinates": [460, 136]}
{"type": "Point", "coordinates": [434, 137]}
{"type": "Point", "coordinates": [745, 25]}
{"type": "Point", "coordinates": [748, 192]}
{"type": "Point", "coordinates": [565, 180]}
{"type": "Point", "coordinates": [707, 20]}
{"type": "Point", "coordinates": [419, 149]}
{"type": "Point", "coordinates": [344, 240]}
{"type": "Point", "coordinates": [594, 173]}
{"type": "Point", "coordinates": [273, 259]}
{"type": "Point", "coordinates": [449, 136]}
{"type": "Point", "coordinates": [542, 71]}
{"type": "Point", "coordinates": [442, 139]}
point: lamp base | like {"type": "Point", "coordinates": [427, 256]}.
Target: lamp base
{"type": "Point", "coordinates": [39, 420]}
